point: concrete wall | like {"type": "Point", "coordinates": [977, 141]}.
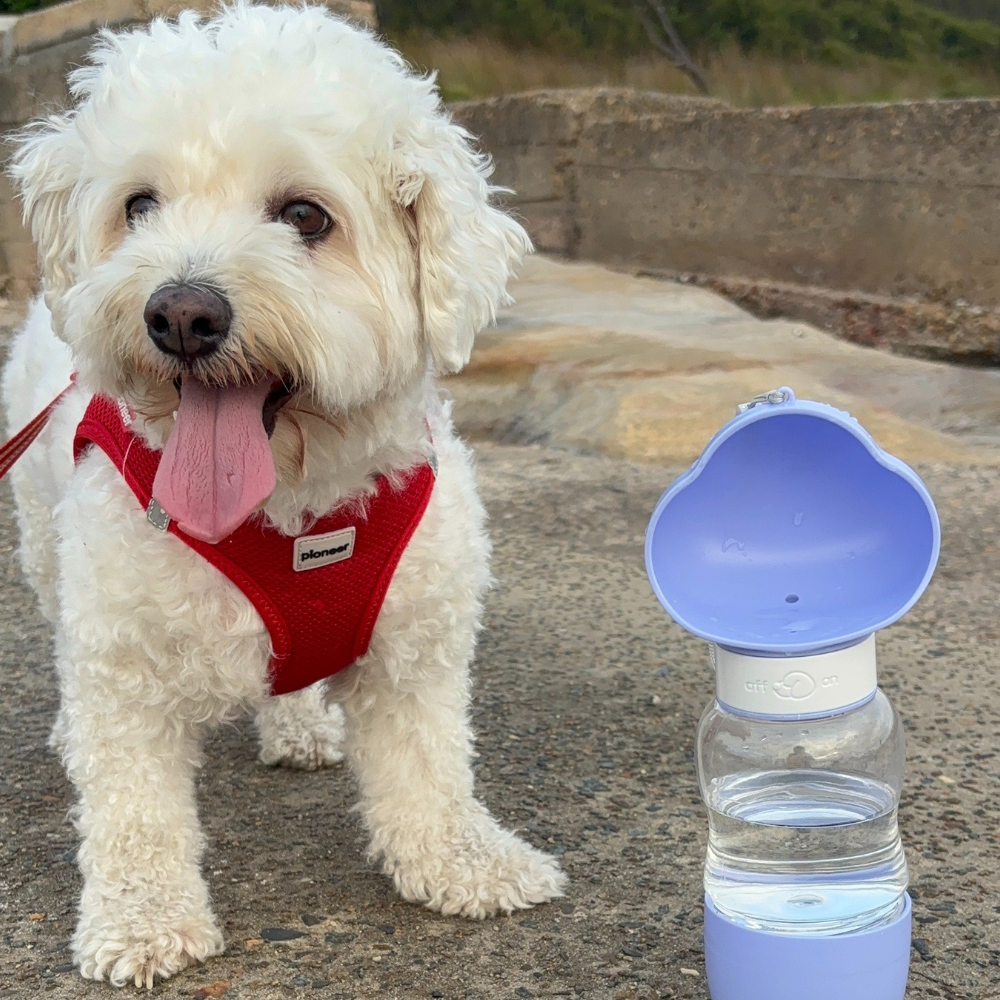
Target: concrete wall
{"type": "Point", "coordinates": [895, 202]}
{"type": "Point", "coordinates": [36, 52]}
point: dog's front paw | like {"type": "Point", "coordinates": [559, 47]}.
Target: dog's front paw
{"type": "Point", "coordinates": [300, 730]}
{"type": "Point", "coordinates": [125, 950]}
{"type": "Point", "coordinates": [482, 870]}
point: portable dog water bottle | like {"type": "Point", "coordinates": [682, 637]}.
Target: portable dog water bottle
{"type": "Point", "coordinates": [788, 545]}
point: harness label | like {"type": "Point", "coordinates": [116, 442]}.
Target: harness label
{"type": "Point", "coordinates": [314, 551]}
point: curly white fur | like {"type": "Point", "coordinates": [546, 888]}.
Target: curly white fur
{"type": "Point", "coordinates": [221, 120]}
{"type": "Point", "coordinates": [303, 729]}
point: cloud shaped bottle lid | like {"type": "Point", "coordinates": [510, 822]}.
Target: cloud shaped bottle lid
{"type": "Point", "coordinates": [793, 533]}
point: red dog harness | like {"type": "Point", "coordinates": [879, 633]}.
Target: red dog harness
{"type": "Point", "coordinates": [319, 594]}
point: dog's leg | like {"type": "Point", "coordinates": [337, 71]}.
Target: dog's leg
{"type": "Point", "coordinates": [300, 730]}
{"type": "Point", "coordinates": [37, 550]}
{"type": "Point", "coordinates": [37, 369]}
{"type": "Point", "coordinates": [152, 648]}
{"type": "Point", "coordinates": [409, 738]}
{"type": "Point", "coordinates": [410, 749]}
{"type": "Point", "coordinates": [144, 911]}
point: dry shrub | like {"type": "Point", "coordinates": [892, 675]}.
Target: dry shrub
{"type": "Point", "coordinates": [481, 67]}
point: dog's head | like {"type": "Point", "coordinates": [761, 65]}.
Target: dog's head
{"type": "Point", "coordinates": [267, 199]}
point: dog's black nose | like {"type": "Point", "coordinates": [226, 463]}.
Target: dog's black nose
{"type": "Point", "coordinates": [187, 321]}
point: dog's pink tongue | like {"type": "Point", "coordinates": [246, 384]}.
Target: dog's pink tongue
{"type": "Point", "coordinates": [216, 468]}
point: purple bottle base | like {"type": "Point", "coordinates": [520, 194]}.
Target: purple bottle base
{"type": "Point", "coordinates": [744, 964]}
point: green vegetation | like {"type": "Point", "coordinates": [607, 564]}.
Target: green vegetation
{"type": "Point", "coordinates": [754, 51]}
{"type": "Point", "coordinates": [19, 6]}
{"type": "Point", "coordinates": [973, 10]}
{"type": "Point", "coordinates": [830, 31]}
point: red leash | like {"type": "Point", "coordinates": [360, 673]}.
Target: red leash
{"type": "Point", "coordinates": [13, 449]}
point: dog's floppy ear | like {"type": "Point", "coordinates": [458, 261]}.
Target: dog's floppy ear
{"type": "Point", "coordinates": [45, 168]}
{"type": "Point", "coordinates": [466, 248]}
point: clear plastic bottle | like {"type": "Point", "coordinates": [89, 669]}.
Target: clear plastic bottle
{"type": "Point", "coordinates": [788, 545]}
{"type": "Point", "coordinates": [803, 834]}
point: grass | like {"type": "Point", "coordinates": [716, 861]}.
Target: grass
{"type": "Point", "coordinates": [470, 67]}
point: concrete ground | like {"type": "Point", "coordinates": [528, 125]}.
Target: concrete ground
{"type": "Point", "coordinates": [586, 697]}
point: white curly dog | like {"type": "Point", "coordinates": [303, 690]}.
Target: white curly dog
{"type": "Point", "coordinates": [291, 168]}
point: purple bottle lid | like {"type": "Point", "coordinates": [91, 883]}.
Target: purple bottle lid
{"type": "Point", "coordinates": [792, 534]}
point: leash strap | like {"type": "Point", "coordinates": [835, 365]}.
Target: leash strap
{"type": "Point", "coordinates": [13, 449]}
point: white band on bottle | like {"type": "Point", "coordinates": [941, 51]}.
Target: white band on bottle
{"type": "Point", "coordinates": [795, 685]}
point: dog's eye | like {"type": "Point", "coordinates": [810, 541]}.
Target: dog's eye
{"type": "Point", "coordinates": [138, 205]}
{"type": "Point", "coordinates": [309, 219]}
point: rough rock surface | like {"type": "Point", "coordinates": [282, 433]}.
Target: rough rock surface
{"type": "Point", "coordinates": [947, 331]}
{"type": "Point", "coordinates": [646, 369]}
